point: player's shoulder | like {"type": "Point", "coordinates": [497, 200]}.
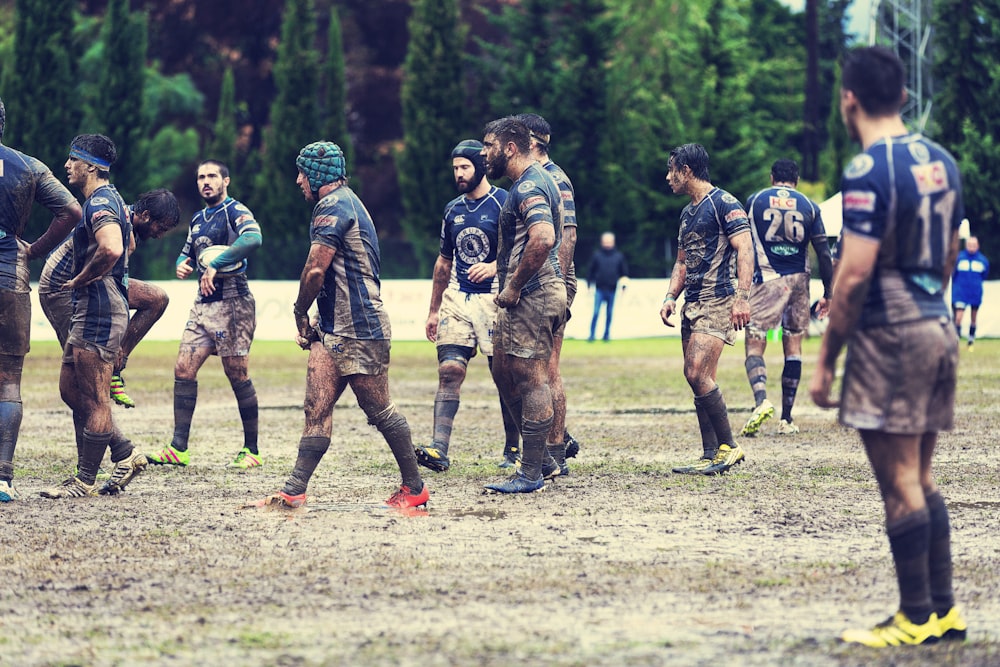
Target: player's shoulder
{"type": "Point", "coordinates": [237, 207]}
{"type": "Point", "coordinates": [498, 194]}
{"type": "Point", "coordinates": [449, 208]}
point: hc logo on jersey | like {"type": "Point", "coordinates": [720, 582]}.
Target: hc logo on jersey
{"type": "Point", "coordinates": [930, 178]}
{"type": "Point", "coordinates": [783, 202]}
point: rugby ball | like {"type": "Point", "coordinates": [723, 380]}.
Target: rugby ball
{"type": "Point", "coordinates": [208, 254]}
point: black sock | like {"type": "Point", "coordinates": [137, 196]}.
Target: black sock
{"type": "Point", "coordinates": [533, 436]}
{"type": "Point", "coordinates": [121, 447]}
{"type": "Point", "coordinates": [939, 555]}
{"type": "Point", "coordinates": [790, 377]}
{"type": "Point", "coordinates": [445, 409]}
{"type": "Point", "coordinates": [909, 540]}
{"type": "Point", "coordinates": [94, 446]}
{"type": "Point", "coordinates": [11, 413]}
{"type": "Point", "coordinates": [396, 431]}
{"type": "Point", "coordinates": [311, 451]}
{"type": "Point", "coordinates": [715, 406]}
{"type": "Point", "coordinates": [246, 399]}
{"type": "Point", "coordinates": [185, 398]}
{"type": "Point", "coordinates": [972, 332]}
{"type": "Point", "coordinates": [709, 443]}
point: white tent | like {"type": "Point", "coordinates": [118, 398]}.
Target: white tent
{"type": "Point", "coordinates": [833, 214]}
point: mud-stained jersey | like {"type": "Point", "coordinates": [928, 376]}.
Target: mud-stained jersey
{"type": "Point", "coordinates": [220, 225]}
{"type": "Point", "coordinates": [569, 208]}
{"type": "Point", "coordinates": [783, 222]}
{"type": "Point", "coordinates": [533, 199]}
{"type": "Point", "coordinates": [469, 236]}
{"type": "Point", "coordinates": [350, 301]}
{"type": "Point", "coordinates": [906, 193]}
{"type": "Point", "coordinates": [23, 181]}
{"type": "Point", "coordinates": [704, 236]}
{"type": "Point", "coordinates": [104, 208]}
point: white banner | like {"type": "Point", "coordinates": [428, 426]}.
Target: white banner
{"type": "Point", "coordinates": [636, 311]}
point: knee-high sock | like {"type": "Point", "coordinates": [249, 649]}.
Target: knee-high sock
{"type": "Point", "coordinates": [790, 377]}
{"type": "Point", "coordinates": [533, 436]}
{"type": "Point", "coordinates": [757, 375]}
{"type": "Point", "coordinates": [94, 446]}
{"type": "Point", "coordinates": [909, 540]}
{"type": "Point", "coordinates": [445, 409]}
{"type": "Point", "coordinates": [11, 413]}
{"type": "Point", "coordinates": [939, 555]}
{"type": "Point", "coordinates": [185, 398]}
{"type": "Point", "coordinates": [121, 447]}
{"type": "Point", "coordinates": [396, 431]}
{"type": "Point", "coordinates": [246, 399]}
{"type": "Point", "coordinates": [311, 451]}
{"type": "Point", "coordinates": [709, 443]}
{"type": "Point", "coordinates": [715, 407]}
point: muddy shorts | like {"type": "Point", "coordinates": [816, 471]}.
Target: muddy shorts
{"type": "Point", "coordinates": [784, 301]}
{"type": "Point", "coordinates": [901, 378]}
{"type": "Point", "coordinates": [15, 323]}
{"type": "Point", "coordinates": [225, 326]}
{"type": "Point", "coordinates": [527, 330]}
{"type": "Point", "coordinates": [467, 320]}
{"type": "Point", "coordinates": [571, 285]}
{"type": "Point", "coordinates": [58, 309]}
{"type": "Point", "coordinates": [357, 357]}
{"type": "Point", "coordinates": [98, 327]}
{"type": "Point", "coordinates": [710, 316]}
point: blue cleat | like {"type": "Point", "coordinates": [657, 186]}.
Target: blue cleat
{"type": "Point", "coordinates": [518, 484]}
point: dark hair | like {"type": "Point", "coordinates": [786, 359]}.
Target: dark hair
{"type": "Point", "coordinates": [161, 205]}
{"type": "Point", "coordinates": [223, 169]}
{"type": "Point", "coordinates": [785, 171]}
{"type": "Point", "coordinates": [539, 128]}
{"type": "Point", "coordinates": [510, 129]}
{"type": "Point", "coordinates": [99, 146]}
{"type": "Point", "coordinates": [694, 156]}
{"type": "Point", "coordinates": [877, 78]}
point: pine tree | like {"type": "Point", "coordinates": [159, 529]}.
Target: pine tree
{"type": "Point", "coordinates": [432, 100]}
{"type": "Point", "coordinates": [335, 80]}
{"type": "Point", "coordinates": [278, 203]}
{"type": "Point", "coordinates": [223, 145]}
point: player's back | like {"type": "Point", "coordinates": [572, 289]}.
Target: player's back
{"type": "Point", "coordinates": [783, 222]}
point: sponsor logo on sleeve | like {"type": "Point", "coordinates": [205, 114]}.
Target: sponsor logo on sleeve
{"type": "Point", "coordinates": [859, 166]}
{"type": "Point", "coordinates": [735, 215]}
{"type": "Point", "coordinates": [859, 200]}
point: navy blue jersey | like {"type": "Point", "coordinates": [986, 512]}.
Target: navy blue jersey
{"type": "Point", "coordinates": [469, 236]}
{"type": "Point", "coordinates": [784, 222]}
{"type": "Point", "coordinates": [971, 270]}
{"type": "Point", "coordinates": [220, 225]}
{"type": "Point", "coordinates": [103, 208]}
{"type": "Point", "coordinates": [569, 207]}
{"type": "Point", "coordinates": [906, 193]}
{"type": "Point", "coordinates": [23, 181]}
{"type": "Point", "coordinates": [533, 199]}
{"type": "Point", "coordinates": [704, 236]}
{"type": "Point", "coordinates": [350, 301]}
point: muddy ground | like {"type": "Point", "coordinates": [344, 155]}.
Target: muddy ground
{"type": "Point", "coordinates": [621, 563]}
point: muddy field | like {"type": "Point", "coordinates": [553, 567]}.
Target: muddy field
{"type": "Point", "coordinates": [621, 563]}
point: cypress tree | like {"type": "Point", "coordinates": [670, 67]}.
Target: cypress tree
{"type": "Point", "coordinates": [223, 146]}
{"type": "Point", "coordinates": [335, 127]}
{"type": "Point", "coordinates": [278, 203]}
{"type": "Point", "coordinates": [432, 99]}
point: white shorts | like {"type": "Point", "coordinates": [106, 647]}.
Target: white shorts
{"type": "Point", "coordinates": [467, 320]}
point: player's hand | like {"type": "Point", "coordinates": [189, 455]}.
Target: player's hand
{"type": "Point", "coordinates": [307, 333]}
{"type": "Point", "coordinates": [431, 327]}
{"type": "Point", "coordinates": [666, 310]}
{"type": "Point", "coordinates": [482, 271]}
{"type": "Point", "coordinates": [822, 308]}
{"type": "Point", "coordinates": [208, 281]}
{"type": "Point", "coordinates": [741, 313]}
{"type": "Point", "coordinates": [184, 269]}
{"type": "Point", "coordinates": [819, 387]}
{"type": "Point", "coordinates": [508, 298]}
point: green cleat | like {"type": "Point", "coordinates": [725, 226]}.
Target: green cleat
{"type": "Point", "coordinates": [168, 456]}
{"type": "Point", "coordinates": [118, 394]}
{"type": "Point", "coordinates": [760, 414]}
{"type": "Point", "coordinates": [245, 460]}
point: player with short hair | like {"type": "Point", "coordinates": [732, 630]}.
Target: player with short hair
{"type": "Point", "coordinates": [971, 269]}
{"type": "Point", "coordinates": [902, 211]}
{"type": "Point", "coordinates": [223, 317]}
{"type": "Point", "coordinates": [784, 222]}
{"type": "Point", "coordinates": [532, 297]}
{"type": "Point", "coordinates": [560, 445]}
{"type": "Point", "coordinates": [351, 344]}
{"type": "Point", "coordinates": [462, 310]}
{"type": "Point", "coordinates": [100, 318]}
{"type": "Point", "coordinates": [25, 181]}
{"type": "Point", "coordinates": [714, 242]}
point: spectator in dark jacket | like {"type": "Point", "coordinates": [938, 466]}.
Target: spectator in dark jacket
{"type": "Point", "coordinates": [607, 267]}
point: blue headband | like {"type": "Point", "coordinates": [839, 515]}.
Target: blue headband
{"type": "Point", "coordinates": [81, 154]}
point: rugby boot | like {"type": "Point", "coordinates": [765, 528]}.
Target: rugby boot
{"type": "Point", "coordinates": [694, 468]}
{"type": "Point", "coordinates": [123, 473]}
{"type": "Point", "coordinates": [518, 483]}
{"type": "Point", "coordinates": [787, 428]}
{"type": "Point", "coordinates": [70, 488]}
{"type": "Point", "coordinates": [510, 453]}
{"type": "Point", "coordinates": [953, 627]}
{"type": "Point", "coordinates": [572, 445]}
{"type": "Point", "coordinates": [434, 457]}
{"type": "Point", "coordinates": [168, 456]}
{"type": "Point", "coordinates": [118, 393]}
{"type": "Point", "coordinates": [760, 414]}
{"type": "Point", "coordinates": [897, 630]}
{"type": "Point", "coordinates": [405, 498]}
{"type": "Point", "coordinates": [725, 458]}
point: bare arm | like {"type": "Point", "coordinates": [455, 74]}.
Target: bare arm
{"type": "Point", "coordinates": [310, 283]}
{"type": "Point", "coordinates": [109, 248]}
{"type": "Point", "coordinates": [566, 249]}
{"type": "Point", "coordinates": [62, 224]}
{"type": "Point", "coordinates": [541, 238]}
{"type": "Point", "coordinates": [439, 282]}
{"type": "Point", "coordinates": [674, 288]}
{"type": "Point", "coordinates": [825, 260]}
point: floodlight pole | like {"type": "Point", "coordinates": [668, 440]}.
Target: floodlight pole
{"type": "Point", "coordinates": [905, 27]}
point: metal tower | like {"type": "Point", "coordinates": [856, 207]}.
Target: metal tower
{"type": "Point", "coordinates": [905, 27]}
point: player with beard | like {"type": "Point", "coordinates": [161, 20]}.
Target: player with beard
{"type": "Point", "coordinates": [223, 318]}
{"type": "Point", "coordinates": [532, 297]}
{"type": "Point", "coordinates": [462, 310]}
{"type": "Point", "coordinates": [25, 181]}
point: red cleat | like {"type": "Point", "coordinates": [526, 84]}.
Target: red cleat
{"type": "Point", "coordinates": [404, 498]}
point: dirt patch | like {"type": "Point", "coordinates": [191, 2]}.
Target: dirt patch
{"type": "Point", "coordinates": [622, 562]}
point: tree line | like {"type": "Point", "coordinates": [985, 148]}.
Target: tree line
{"type": "Point", "coordinates": [398, 83]}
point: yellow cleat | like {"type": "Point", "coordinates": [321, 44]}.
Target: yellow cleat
{"type": "Point", "coordinates": [898, 630]}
